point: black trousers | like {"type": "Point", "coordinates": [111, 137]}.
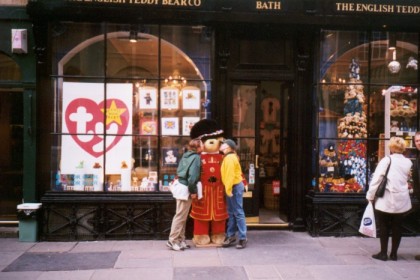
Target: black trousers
{"type": "Point", "coordinates": [390, 222]}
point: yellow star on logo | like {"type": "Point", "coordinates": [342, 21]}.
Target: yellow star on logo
{"type": "Point", "coordinates": [113, 113]}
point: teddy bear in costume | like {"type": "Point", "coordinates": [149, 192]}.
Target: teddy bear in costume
{"type": "Point", "coordinates": [210, 212]}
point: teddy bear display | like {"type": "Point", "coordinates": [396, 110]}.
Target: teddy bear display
{"type": "Point", "coordinates": [353, 124]}
{"type": "Point", "coordinates": [210, 212]}
{"type": "Point", "coordinates": [403, 107]}
{"type": "Point", "coordinates": [344, 170]}
{"type": "Point", "coordinates": [328, 163]}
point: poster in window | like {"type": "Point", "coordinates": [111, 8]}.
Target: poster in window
{"type": "Point", "coordinates": [191, 98]}
{"type": "Point", "coordinates": [170, 126]}
{"type": "Point", "coordinates": [170, 156]}
{"type": "Point", "coordinates": [148, 126]}
{"type": "Point", "coordinates": [187, 124]}
{"type": "Point", "coordinates": [147, 98]}
{"type": "Point", "coordinates": [93, 126]}
{"type": "Point", "coordinates": [169, 98]}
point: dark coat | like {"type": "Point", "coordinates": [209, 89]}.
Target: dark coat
{"type": "Point", "coordinates": [416, 177]}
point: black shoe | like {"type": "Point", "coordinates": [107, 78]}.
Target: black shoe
{"type": "Point", "coordinates": [241, 244]}
{"type": "Point", "coordinates": [393, 257]}
{"type": "Point", "coordinates": [380, 256]}
{"type": "Point", "coordinates": [228, 241]}
{"type": "Point", "coordinates": [417, 257]}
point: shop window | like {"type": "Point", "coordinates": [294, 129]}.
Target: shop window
{"type": "Point", "coordinates": [126, 99]}
{"type": "Point", "coordinates": [362, 101]}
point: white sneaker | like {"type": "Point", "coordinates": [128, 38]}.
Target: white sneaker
{"type": "Point", "coordinates": [174, 246]}
{"type": "Point", "coordinates": [184, 245]}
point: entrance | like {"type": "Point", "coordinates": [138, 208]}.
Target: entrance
{"type": "Point", "coordinates": [11, 140]}
{"type": "Point", "coordinates": [260, 125]}
{"type": "Point", "coordinates": [11, 151]}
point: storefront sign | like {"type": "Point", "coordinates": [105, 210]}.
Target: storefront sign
{"type": "Point", "coordinates": [358, 7]}
{"type": "Point", "coordinates": [330, 7]}
{"type": "Point", "coordinates": [86, 138]}
{"type": "Point", "coordinates": [256, 5]}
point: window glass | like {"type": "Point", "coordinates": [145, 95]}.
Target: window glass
{"type": "Point", "coordinates": [124, 127]}
{"type": "Point", "coordinates": [9, 70]}
{"type": "Point", "coordinates": [78, 48]}
{"type": "Point", "coordinates": [367, 92]}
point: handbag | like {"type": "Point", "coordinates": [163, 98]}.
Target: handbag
{"type": "Point", "coordinates": [368, 225]}
{"type": "Point", "coordinates": [178, 190]}
{"type": "Point", "coordinates": [382, 186]}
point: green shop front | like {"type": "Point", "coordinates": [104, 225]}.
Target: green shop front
{"type": "Point", "coordinates": [310, 90]}
{"type": "Point", "coordinates": [17, 117]}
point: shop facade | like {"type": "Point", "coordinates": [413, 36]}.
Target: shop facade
{"type": "Point", "coordinates": [310, 90]}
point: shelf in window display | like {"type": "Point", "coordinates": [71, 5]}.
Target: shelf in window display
{"type": "Point", "coordinates": [403, 103]}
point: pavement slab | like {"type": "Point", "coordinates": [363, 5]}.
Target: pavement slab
{"type": "Point", "coordinates": [210, 273]}
{"type": "Point", "coordinates": [63, 261]}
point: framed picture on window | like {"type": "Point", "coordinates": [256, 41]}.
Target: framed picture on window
{"type": "Point", "coordinates": [170, 156]}
{"type": "Point", "coordinates": [153, 176]}
{"type": "Point", "coordinates": [148, 126]}
{"type": "Point", "coordinates": [148, 98]}
{"type": "Point", "coordinates": [187, 124]}
{"type": "Point", "coordinates": [148, 156]}
{"type": "Point", "coordinates": [191, 98]}
{"type": "Point", "coordinates": [170, 126]}
{"type": "Point", "coordinates": [169, 99]}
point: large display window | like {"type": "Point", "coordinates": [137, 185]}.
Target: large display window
{"type": "Point", "coordinates": [126, 97]}
{"type": "Point", "coordinates": [367, 91]}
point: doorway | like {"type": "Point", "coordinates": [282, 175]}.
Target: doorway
{"type": "Point", "coordinates": [11, 150]}
{"type": "Point", "coordinates": [260, 126]}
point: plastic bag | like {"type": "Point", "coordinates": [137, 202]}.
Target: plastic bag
{"type": "Point", "coordinates": [199, 190]}
{"type": "Point", "coordinates": [178, 190]}
{"type": "Point", "coordinates": [368, 225]}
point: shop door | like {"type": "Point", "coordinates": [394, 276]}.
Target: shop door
{"type": "Point", "coordinates": [11, 151]}
{"type": "Point", "coordinates": [260, 124]}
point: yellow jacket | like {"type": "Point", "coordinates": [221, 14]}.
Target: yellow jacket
{"type": "Point", "coordinates": [231, 172]}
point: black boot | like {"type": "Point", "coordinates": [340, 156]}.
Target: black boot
{"type": "Point", "coordinates": [380, 256]}
{"type": "Point", "coordinates": [393, 256]}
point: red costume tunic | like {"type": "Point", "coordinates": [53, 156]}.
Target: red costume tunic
{"type": "Point", "coordinates": [212, 207]}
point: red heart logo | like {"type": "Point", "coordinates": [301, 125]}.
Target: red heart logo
{"type": "Point", "coordinates": [85, 123]}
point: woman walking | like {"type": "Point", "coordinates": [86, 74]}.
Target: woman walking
{"type": "Point", "coordinates": [396, 201]}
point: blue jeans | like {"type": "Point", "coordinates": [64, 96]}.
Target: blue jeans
{"type": "Point", "coordinates": [236, 213]}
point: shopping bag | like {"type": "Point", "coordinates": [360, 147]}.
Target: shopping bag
{"type": "Point", "coordinates": [178, 190]}
{"type": "Point", "coordinates": [199, 190]}
{"type": "Point", "coordinates": [368, 225]}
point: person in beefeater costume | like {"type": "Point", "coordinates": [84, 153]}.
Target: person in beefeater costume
{"type": "Point", "coordinates": [210, 212]}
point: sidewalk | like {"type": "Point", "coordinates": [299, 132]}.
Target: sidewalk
{"type": "Point", "coordinates": [281, 255]}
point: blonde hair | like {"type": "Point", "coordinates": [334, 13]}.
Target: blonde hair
{"type": "Point", "coordinates": [397, 145]}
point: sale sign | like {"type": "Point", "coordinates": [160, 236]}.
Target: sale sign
{"type": "Point", "coordinates": [94, 126]}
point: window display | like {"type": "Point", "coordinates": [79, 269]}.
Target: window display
{"type": "Point", "coordinates": [362, 103]}
{"type": "Point", "coordinates": [401, 116]}
{"type": "Point", "coordinates": [126, 131]}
